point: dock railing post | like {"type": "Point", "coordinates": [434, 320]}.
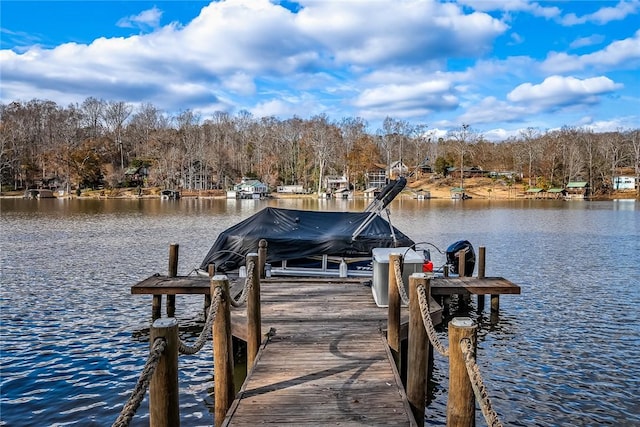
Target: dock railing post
{"type": "Point", "coordinates": [418, 349]}
{"type": "Point", "coordinates": [262, 256]}
{"type": "Point", "coordinates": [164, 407]}
{"type": "Point", "coordinates": [173, 272]}
{"type": "Point", "coordinates": [393, 318]}
{"type": "Point", "coordinates": [211, 270]}
{"type": "Point", "coordinates": [463, 299]}
{"type": "Point", "coordinates": [224, 388]}
{"type": "Point", "coordinates": [461, 402]}
{"type": "Point", "coordinates": [254, 322]}
{"type": "Point", "coordinates": [481, 273]}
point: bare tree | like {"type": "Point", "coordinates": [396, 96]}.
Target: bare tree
{"type": "Point", "coordinates": [115, 115]}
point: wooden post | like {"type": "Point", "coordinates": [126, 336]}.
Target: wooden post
{"type": "Point", "coordinates": [262, 256]}
{"type": "Point", "coordinates": [418, 349]}
{"type": "Point", "coordinates": [211, 269]}
{"type": "Point", "coordinates": [224, 388]}
{"type": "Point", "coordinates": [173, 272]}
{"type": "Point", "coordinates": [164, 406]}
{"type": "Point", "coordinates": [393, 319]}
{"type": "Point", "coordinates": [254, 322]}
{"type": "Point", "coordinates": [461, 263]}
{"type": "Point", "coordinates": [445, 300]}
{"type": "Point", "coordinates": [495, 303]}
{"type": "Point", "coordinates": [463, 299]}
{"type": "Point", "coordinates": [156, 307]}
{"type": "Point", "coordinates": [461, 402]}
{"type": "Point", "coordinates": [481, 274]}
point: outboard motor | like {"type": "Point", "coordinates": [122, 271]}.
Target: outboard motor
{"type": "Point", "coordinates": [469, 257]}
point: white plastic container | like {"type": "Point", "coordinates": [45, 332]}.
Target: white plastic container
{"type": "Point", "coordinates": [380, 286]}
{"type": "Point", "coordinates": [344, 269]}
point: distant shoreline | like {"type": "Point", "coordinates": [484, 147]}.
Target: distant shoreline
{"type": "Point", "coordinates": [476, 193]}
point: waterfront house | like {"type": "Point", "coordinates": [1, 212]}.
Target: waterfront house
{"type": "Point", "coordinates": [376, 177]}
{"type": "Point", "coordinates": [250, 189]}
{"type": "Point", "coordinates": [624, 182]}
{"type": "Point", "coordinates": [577, 190]}
{"type": "Point", "coordinates": [556, 193]}
{"type": "Point", "coordinates": [535, 193]}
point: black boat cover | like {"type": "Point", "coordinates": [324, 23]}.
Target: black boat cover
{"type": "Point", "coordinates": [298, 234]}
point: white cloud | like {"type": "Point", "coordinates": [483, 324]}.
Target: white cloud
{"type": "Point", "coordinates": [624, 53]}
{"type": "Point", "coordinates": [149, 18]}
{"type": "Point", "coordinates": [587, 41]}
{"type": "Point", "coordinates": [558, 91]}
{"type": "Point", "coordinates": [402, 31]}
{"type": "Point", "coordinates": [513, 6]}
{"type": "Point", "coordinates": [605, 15]}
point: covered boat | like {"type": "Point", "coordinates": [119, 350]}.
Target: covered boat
{"type": "Point", "coordinates": [313, 240]}
{"type": "Point", "coordinates": [302, 238]}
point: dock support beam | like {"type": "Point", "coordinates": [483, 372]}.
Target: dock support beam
{"type": "Point", "coordinates": [461, 402]}
{"type": "Point", "coordinates": [254, 322]}
{"type": "Point", "coordinates": [224, 388]}
{"type": "Point", "coordinates": [418, 349]}
{"type": "Point", "coordinates": [164, 407]}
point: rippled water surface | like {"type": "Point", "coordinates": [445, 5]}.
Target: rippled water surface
{"type": "Point", "coordinates": [74, 340]}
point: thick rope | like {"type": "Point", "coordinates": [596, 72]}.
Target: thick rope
{"type": "Point", "coordinates": [479, 389]}
{"type": "Point", "coordinates": [131, 406]}
{"type": "Point", "coordinates": [399, 283]}
{"type": "Point", "coordinates": [428, 324]}
{"type": "Point", "coordinates": [206, 330]}
{"type": "Point", "coordinates": [248, 285]}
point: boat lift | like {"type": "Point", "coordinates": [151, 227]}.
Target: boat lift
{"type": "Point", "coordinates": [382, 200]}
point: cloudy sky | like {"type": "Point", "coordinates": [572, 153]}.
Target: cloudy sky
{"type": "Point", "coordinates": [499, 66]}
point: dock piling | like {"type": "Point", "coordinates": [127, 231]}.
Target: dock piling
{"type": "Point", "coordinates": [211, 270]}
{"type": "Point", "coordinates": [262, 256]}
{"type": "Point", "coordinates": [418, 349]}
{"type": "Point", "coordinates": [224, 389]}
{"type": "Point", "coordinates": [173, 272]}
{"type": "Point", "coordinates": [481, 273]}
{"type": "Point", "coordinates": [461, 402]}
{"type": "Point", "coordinates": [463, 299]}
{"type": "Point", "coordinates": [164, 407]}
{"type": "Point", "coordinates": [393, 317]}
{"type": "Point", "coordinates": [254, 323]}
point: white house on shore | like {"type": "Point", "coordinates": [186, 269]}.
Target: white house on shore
{"type": "Point", "coordinates": [248, 189]}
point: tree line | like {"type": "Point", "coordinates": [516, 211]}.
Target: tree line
{"type": "Point", "coordinates": [95, 143]}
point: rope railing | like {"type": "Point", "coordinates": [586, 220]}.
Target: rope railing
{"type": "Point", "coordinates": [466, 347]}
{"type": "Point", "coordinates": [206, 330]}
{"type": "Point", "coordinates": [401, 288]}
{"type": "Point", "coordinates": [479, 389]}
{"type": "Point", "coordinates": [423, 299]}
{"type": "Point", "coordinates": [137, 395]}
{"type": "Point", "coordinates": [213, 311]}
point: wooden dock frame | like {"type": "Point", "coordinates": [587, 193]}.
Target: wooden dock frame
{"type": "Point", "coordinates": [291, 337]}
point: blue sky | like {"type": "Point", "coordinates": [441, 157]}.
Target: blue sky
{"type": "Point", "coordinates": [499, 66]}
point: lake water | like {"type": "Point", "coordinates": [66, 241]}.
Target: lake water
{"type": "Point", "coordinates": [73, 339]}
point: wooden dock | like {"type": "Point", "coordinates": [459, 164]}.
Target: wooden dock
{"type": "Point", "coordinates": [326, 360]}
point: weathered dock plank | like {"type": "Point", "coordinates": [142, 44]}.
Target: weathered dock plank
{"type": "Point", "coordinates": [327, 364]}
{"type": "Point", "coordinates": [472, 285]}
{"type": "Point", "coordinates": [159, 284]}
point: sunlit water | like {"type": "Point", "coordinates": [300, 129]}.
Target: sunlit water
{"type": "Point", "coordinates": [74, 339]}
